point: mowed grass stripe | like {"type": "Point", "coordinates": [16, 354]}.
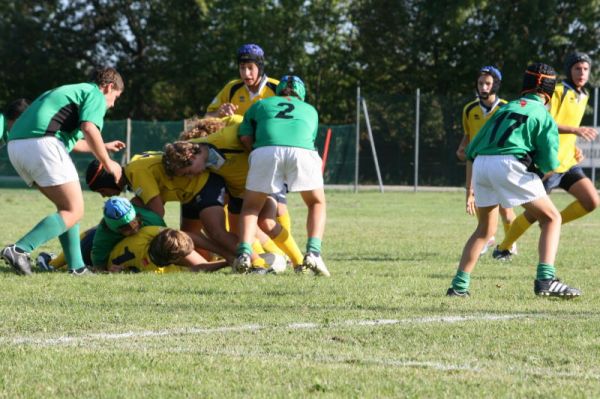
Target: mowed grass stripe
{"type": "Point", "coordinates": [67, 340]}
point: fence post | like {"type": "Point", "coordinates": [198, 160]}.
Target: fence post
{"type": "Point", "coordinates": [417, 117]}
{"type": "Point", "coordinates": [357, 138]}
{"type": "Point", "coordinates": [368, 121]}
{"type": "Point", "coordinates": [592, 142]}
{"type": "Point", "coordinates": [128, 148]}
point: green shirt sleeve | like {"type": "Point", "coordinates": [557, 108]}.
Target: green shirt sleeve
{"type": "Point", "coordinates": [248, 126]}
{"type": "Point", "coordinates": [3, 132]}
{"type": "Point", "coordinates": [149, 218]}
{"type": "Point", "coordinates": [93, 108]}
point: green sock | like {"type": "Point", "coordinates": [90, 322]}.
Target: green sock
{"type": "Point", "coordinates": [461, 281]}
{"type": "Point", "coordinates": [69, 240]}
{"type": "Point", "coordinates": [313, 245]}
{"type": "Point", "coordinates": [48, 228]}
{"type": "Point", "coordinates": [545, 271]}
{"type": "Point", "coordinates": [244, 248]}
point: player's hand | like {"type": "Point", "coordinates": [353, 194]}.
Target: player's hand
{"type": "Point", "coordinates": [460, 154]}
{"type": "Point", "coordinates": [114, 146]}
{"type": "Point", "coordinates": [587, 133]}
{"type": "Point", "coordinates": [227, 109]}
{"type": "Point", "coordinates": [115, 169]}
{"type": "Point", "coordinates": [579, 155]}
{"type": "Point", "coordinates": [470, 208]}
{"type": "Point", "coordinates": [115, 268]}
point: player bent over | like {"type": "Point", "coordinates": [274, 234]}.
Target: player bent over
{"type": "Point", "coordinates": [38, 146]}
{"type": "Point", "coordinates": [281, 132]}
{"type": "Point", "coordinates": [520, 135]}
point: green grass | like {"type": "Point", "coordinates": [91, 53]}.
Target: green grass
{"type": "Point", "coordinates": [391, 256]}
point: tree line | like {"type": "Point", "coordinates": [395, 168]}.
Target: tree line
{"type": "Point", "coordinates": [175, 55]}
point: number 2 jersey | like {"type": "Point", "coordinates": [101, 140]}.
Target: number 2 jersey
{"type": "Point", "coordinates": [522, 128]}
{"type": "Point", "coordinates": [281, 121]}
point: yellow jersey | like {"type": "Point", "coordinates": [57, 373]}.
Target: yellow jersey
{"type": "Point", "coordinates": [235, 168]}
{"type": "Point", "coordinates": [236, 92]}
{"type": "Point", "coordinates": [475, 116]}
{"type": "Point", "coordinates": [567, 108]}
{"type": "Point", "coordinates": [132, 253]}
{"type": "Point", "coordinates": [147, 178]}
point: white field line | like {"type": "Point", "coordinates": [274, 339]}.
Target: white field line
{"type": "Point", "coordinates": [69, 340]}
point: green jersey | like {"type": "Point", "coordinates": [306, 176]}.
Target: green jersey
{"type": "Point", "coordinates": [523, 128]}
{"type": "Point", "coordinates": [281, 121]}
{"type": "Point", "coordinates": [60, 112]}
{"type": "Point", "coordinates": [105, 239]}
{"type": "Point", "coordinates": [3, 132]}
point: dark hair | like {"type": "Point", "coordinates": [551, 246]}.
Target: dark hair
{"type": "Point", "coordinates": [496, 78]}
{"type": "Point", "coordinates": [16, 108]}
{"type": "Point", "coordinates": [105, 76]}
{"type": "Point", "coordinates": [573, 59]}
{"type": "Point", "coordinates": [96, 177]}
{"type": "Point", "coordinates": [252, 53]}
{"type": "Point", "coordinates": [541, 79]}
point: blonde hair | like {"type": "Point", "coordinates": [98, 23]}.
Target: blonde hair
{"type": "Point", "coordinates": [202, 128]}
{"type": "Point", "coordinates": [178, 155]}
{"type": "Point", "coordinates": [170, 246]}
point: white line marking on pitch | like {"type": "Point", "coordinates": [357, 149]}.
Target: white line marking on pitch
{"type": "Point", "coordinates": [24, 340]}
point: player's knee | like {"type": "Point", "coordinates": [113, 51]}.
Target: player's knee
{"type": "Point", "coordinates": [267, 225]}
{"type": "Point", "coordinates": [550, 216]}
{"type": "Point", "coordinates": [591, 203]}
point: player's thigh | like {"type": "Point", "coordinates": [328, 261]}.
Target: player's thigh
{"type": "Point", "coordinates": [303, 169]}
{"type": "Point", "coordinates": [266, 172]}
{"type": "Point", "coordinates": [314, 197]}
{"type": "Point", "coordinates": [43, 161]}
{"type": "Point", "coordinates": [585, 192]}
{"type": "Point", "coordinates": [67, 197]}
{"type": "Point", "coordinates": [487, 220]}
{"type": "Point", "coordinates": [542, 209]}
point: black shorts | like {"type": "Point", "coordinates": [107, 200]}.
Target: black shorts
{"type": "Point", "coordinates": [235, 205]}
{"type": "Point", "coordinates": [86, 245]}
{"type": "Point", "coordinates": [564, 180]}
{"type": "Point", "coordinates": [280, 197]}
{"type": "Point", "coordinates": [212, 194]}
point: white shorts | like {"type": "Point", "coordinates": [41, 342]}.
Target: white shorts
{"type": "Point", "coordinates": [272, 167]}
{"type": "Point", "coordinates": [502, 179]}
{"type": "Point", "coordinates": [44, 161]}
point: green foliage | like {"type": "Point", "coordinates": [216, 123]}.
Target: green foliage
{"type": "Point", "coordinates": [392, 257]}
{"type": "Point", "coordinates": [175, 55]}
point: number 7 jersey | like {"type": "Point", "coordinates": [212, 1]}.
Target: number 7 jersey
{"type": "Point", "coordinates": [523, 128]}
{"type": "Point", "coordinates": [281, 121]}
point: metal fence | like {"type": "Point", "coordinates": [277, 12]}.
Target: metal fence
{"type": "Point", "coordinates": [412, 137]}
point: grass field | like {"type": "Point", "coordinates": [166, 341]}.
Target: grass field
{"type": "Point", "coordinates": [379, 327]}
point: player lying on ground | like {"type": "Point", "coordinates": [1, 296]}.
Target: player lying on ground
{"type": "Point", "coordinates": [201, 195]}
{"type": "Point", "coordinates": [223, 154]}
{"type": "Point", "coordinates": [149, 248]}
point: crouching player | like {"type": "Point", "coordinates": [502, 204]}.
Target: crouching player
{"type": "Point", "coordinates": [281, 132]}
{"type": "Point", "coordinates": [519, 135]}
